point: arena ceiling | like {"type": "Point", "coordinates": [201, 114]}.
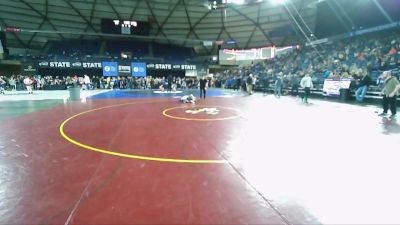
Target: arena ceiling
{"type": "Point", "coordinates": [180, 22]}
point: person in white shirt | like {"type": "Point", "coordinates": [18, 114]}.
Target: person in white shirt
{"type": "Point", "coordinates": [306, 83]}
{"type": "Point", "coordinates": [28, 84]}
{"type": "Point", "coordinates": [38, 84]}
{"type": "Point", "coordinates": [13, 83]}
{"type": "Point", "coordinates": [86, 80]}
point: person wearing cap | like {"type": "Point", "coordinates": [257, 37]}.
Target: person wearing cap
{"type": "Point", "coordinates": [389, 92]}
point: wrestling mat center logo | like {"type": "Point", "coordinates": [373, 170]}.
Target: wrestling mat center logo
{"type": "Point", "coordinates": [208, 111]}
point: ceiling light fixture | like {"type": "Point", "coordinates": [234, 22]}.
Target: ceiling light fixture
{"type": "Point", "coordinates": [237, 2]}
{"type": "Point", "coordinates": [278, 1]}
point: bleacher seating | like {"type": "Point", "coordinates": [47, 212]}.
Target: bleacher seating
{"type": "Point", "coordinates": [343, 58]}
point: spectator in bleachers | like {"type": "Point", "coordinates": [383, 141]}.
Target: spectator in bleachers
{"type": "Point", "coordinates": [265, 84]}
{"type": "Point", "coordinates": [238, 83]}
{"type": "Point", "coordinates": [107, 83]}
{"type": "Point", "coordinates": [363, 86]}
{"type": "Point", "coordinates": [392, 64]}
{"type": "Point", "coordinates": [393, 51]}
{"type": "Point", "coordinates": [2, 84]}
{"type": "Point", "coordinates": [39, 84]}
{"type": "Point", "coordinates": [12, 82]}
{"type": "Point", "coordinates": [87, 83]}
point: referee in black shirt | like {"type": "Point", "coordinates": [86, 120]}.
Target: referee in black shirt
{"type": "Point", "coordinates": [203, 87]}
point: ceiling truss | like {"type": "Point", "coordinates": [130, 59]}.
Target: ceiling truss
{"type": "Point", "coordinates": [186, 23]}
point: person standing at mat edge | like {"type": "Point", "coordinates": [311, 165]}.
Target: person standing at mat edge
{"type": "Point", "coordinates": [249, 84]}
{"type": "Point", "coordinates": [389, 92]}
{"type": "Point", "coordinates": [169, 85]}
{"type": "Point", "coordinates": [307, 84]}
{"type": "Point", "coordinates": [203, 87]}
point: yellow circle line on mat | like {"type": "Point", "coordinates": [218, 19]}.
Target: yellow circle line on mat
{"type": "Point", "coordinates": [200, 119]}
{"type": "Point", "coordinates": [109, 152]}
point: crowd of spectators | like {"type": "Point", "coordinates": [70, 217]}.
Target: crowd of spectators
{"type": "Point", "coordinates": [342, 59]}
{"type": "Point", "coordinates": [351, 58]}
{"type": "Point", "coordinates": [16, 82]}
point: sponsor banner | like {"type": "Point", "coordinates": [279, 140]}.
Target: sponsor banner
{"type": "Point", "coordinates": [28, 69]}
{"type": "Point", "coordinates": [91, 65]}
{"type": "Point", "coordinates": [162, 66]}
{"type": "Point", "coordinates": [60, 64]}
{"type": "Point", "coordinates": [138, 69]}
{"type": "Point", "coordinates": [167, 66]}
{"type": "Point", "coordinates": [188, 67]}
{"type": "Point", "coordinates": [43, 64]}
{"type": "Point", "coordinates": [245, 56]}
{"type": "Point", "coordinates": [76, 64]}
{"type": "Point", "coordinates": [191, 73]}
{"type": "Point", "coordinates": [333, 86]}
{"type": "Point", "coordinates": [124, 69]}
{"type": "Point", "coordinates": [110, 69]}
{"type": "Point", "coordinates": [67, 64]}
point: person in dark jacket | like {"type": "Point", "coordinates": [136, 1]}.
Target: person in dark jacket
{"type": "Point", "coordinates": [295, 82]}
{"type": "Point", "coordinates": [363, 86]}
{"type": "Point", "coordinates": [249, 84]}
{"type": "Point", "coordinates": [169, 84]}
{"type": "Point", "coordinates": [265, 83]}
{"type": "Point", "coordinates": [238, 84]}
{"type": "Point", "coordinates": [203, 87]}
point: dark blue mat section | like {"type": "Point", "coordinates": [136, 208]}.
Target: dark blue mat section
{"type": "Point", "coordinates": [152, 94]}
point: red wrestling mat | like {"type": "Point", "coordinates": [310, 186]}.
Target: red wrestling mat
{"type": "Point", "coordinates": [239, 160]}
{"type": "Point", "coordinates": [171, 134]}
{"type": "Point", "coordinates": [54, 181]}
